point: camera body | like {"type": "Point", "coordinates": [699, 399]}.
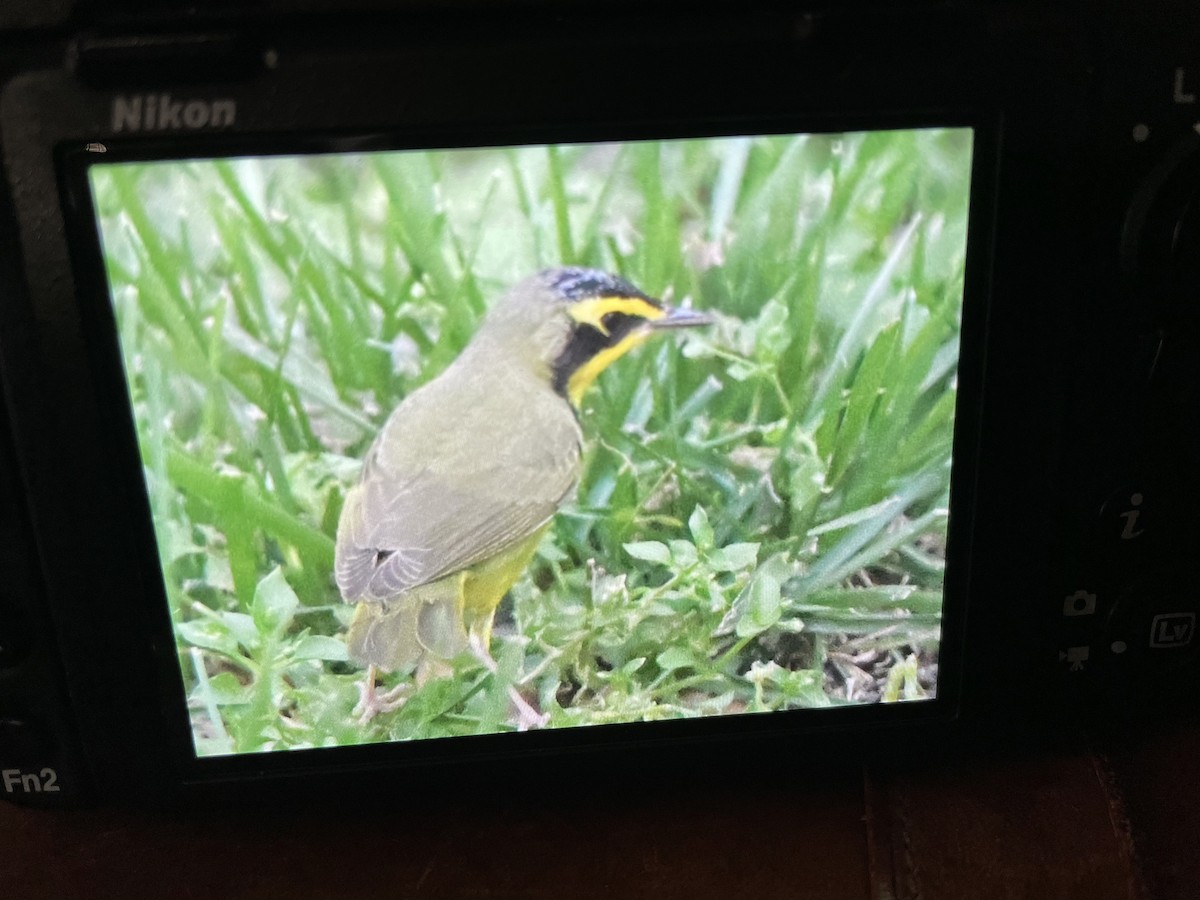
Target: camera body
{"type": "Point", "coordinates": [1077, 436]}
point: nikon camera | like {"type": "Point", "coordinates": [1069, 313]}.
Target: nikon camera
{"type": "Point", "coordinates": [919, 475]}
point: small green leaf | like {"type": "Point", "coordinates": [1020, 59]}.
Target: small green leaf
{"type": "Point", "coordinates": [633, 665]}
{"type": "Point", "coordinates": [274, 604]}
{"type": "Point", "coordinates": [651, 551]}
{"type": "Point", "coordinates": [702, 532]}
{"type": "Point", "coordinates": [798, 687]}
{"type": "Point", "coordinates": [772, 335]}
{"type": "Point", "coordinates": [775, 569]}
{"type": "Point", "coordinates": [902, 682]}
{"type": "Point", "coordinates": [208, 635]}
{"type": "Point", "coordinates": [227, 690]}
{"type": "Point", "coordinates": [740, 371]}
{"type": "Point", "coordinates": [319, 646]}
{"type": "Point", "coordinates": [763, 603]}
{"type": "Point", "coordinates": [675, 658]}
{"type": "Point", "coordinates": [242, 627]}
{"type": "Point", "coordinates": [683, 554]}
{"type": "Point", "coordinates": [733, 557]}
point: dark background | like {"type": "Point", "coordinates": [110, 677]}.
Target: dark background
{"type": "Point", "coordinates": [1104, 820]}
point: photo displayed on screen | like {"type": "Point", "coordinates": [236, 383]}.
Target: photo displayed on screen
{"type": "Point", "coordinates": [468, 441]}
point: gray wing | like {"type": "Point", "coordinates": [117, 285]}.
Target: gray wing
{"type": "Point", "coordinates": [420, 513]}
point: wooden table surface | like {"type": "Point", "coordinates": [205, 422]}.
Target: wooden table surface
{"type": "Point", "coordinates": [1121, 822]}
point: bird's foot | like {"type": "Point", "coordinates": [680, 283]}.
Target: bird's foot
{"type": "Point", "coordinates": [480, 652]}
{"type": "Point", "coordinates": [371, 702]}
{"type": "Point", "coordinates": [527, 716]}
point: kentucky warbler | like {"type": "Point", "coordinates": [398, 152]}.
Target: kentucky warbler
{"type": "Point", "coordinates": [469, 469]}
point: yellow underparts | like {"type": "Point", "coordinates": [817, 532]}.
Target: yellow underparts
{"type": "Point", "coordinates": [431, 623]}
{"type": "Point", "coordinates": [487, 583]}
{"type": "Point", "coordinates": [581, 379]}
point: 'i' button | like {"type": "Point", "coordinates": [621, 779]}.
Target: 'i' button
{"type": "Point", "coordinates": [1128, 517]}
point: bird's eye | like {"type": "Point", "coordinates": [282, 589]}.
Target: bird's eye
{"type": "Point", "coordinates": [615, 323]}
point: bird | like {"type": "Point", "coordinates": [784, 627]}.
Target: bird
{"type": "Point", "coordinates": [469, 470]}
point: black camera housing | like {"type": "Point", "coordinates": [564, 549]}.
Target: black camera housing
{"type": "Point", "coordinates": [1066, 598]}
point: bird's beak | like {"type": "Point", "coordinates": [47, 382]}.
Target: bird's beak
{"type": "Point", "coordinates": [680, 317]}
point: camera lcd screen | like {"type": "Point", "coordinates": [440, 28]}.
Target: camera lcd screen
{"type": "Point", "coordinates": [455, 442]}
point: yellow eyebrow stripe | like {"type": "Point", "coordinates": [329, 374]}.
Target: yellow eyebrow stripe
{"type": "Point", "coordinates": [581, 379]}
{"type": "Point", "coordinates": [592, 312]}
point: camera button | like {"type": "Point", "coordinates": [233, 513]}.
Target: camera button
{"type": "Point", "coordinates": [1079, 603]}
{"type": "Point", "coordinates": [1172, 630]}
{"type": "Point", "coordinates": [1155, 621]}
{"type": "Point", "coordinates": [1128, 516]}
{"type": "Point", "coordinates": [30, 770]}
{"type": "Point", "coordinates": [1159, 234]}
{"type": "Point", "coordinates": [1075, 658]}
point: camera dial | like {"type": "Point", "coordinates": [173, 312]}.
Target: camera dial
{"type": "Point", "coordinates": [1160, 251]}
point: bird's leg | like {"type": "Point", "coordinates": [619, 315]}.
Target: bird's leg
{"type": "Point", "coordinates": [372, 703]}
{"type": "Point", "coordinates": [527, 716]}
